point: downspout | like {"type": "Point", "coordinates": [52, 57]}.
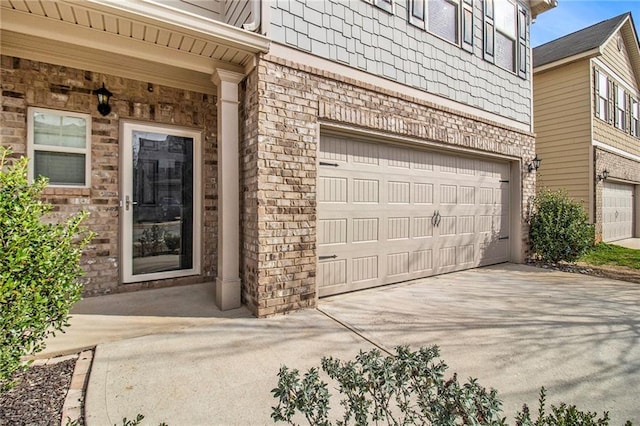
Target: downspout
{"type": "Point", "coordinates": [256, 8]}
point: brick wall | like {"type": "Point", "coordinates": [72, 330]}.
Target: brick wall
{"type": "Point", "coordinates": [28, 83]}
{"type": "Point", "coordinates": [293, 100]}
{"type": "Point", "coordinates": [620, 168]}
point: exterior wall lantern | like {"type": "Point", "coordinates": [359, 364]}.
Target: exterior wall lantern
{"type": "Point", "coordinates": [603, 176]}
{"type": "Point", "coordinates": [534, 164]}
{"type": "Point", "coordinates": [103, 100]}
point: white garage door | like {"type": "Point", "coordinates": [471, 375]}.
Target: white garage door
{"type": "Point", "coordinates": [389, 213]}
{"type": "Point", "coordinates": [617, 211]}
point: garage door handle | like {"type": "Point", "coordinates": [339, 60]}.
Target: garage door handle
{"type": "Point", "coordinates": [333, 256]}
{"type": "Point", "coordinates": [324, 163]}
{"type": "Point", "coordinates": [436, 218]}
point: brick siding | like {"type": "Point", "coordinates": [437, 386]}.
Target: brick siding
{"type": "Point", "coordinates": [293, 100]}
{"type": "Point", "coordinates": [28, 83]}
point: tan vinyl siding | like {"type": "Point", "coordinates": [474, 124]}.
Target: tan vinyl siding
{"type": "Point", "coordinates": [562, 120]}
{"type": "Point", "coordinates": [620, 62]}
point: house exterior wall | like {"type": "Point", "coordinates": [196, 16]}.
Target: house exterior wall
{"type": "Point", "coordinates": [361, 35]}
{"type": "Point", "coordinates": [619, 60]}
{"type": "Point", "coordinates": [562, 123]}
{"type": "Point", "coordinates": [27, 83]}
{"type": "Point", "coordinates": [294, 102]}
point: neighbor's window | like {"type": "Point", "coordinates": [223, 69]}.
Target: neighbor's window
{"type": "Point", "coordinates": [602, 96]}
{"type": "Point", "coordinates": [505, 35]}
{"type": "Point", "coordinates": [635, 131]}
{"type": "Point", "coordinates": [621, 118]}
{"type": "Point", "coordinates": [59, 146]}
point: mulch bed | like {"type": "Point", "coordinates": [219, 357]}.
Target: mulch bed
{"type": "Point", "coordinates": [38, 396]}
{"type": "Point", "coordinates": [612, 272]}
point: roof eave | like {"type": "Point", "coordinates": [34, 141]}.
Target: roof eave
{"type": "Point", "coordinates": [564, 61]}
{"type": "Point", "coordinates": [149, 9]}
{"type": "Point", "coordinates": [540, 6]}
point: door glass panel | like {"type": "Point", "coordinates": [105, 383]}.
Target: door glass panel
{"type": "Point", "coordinates": [162, 202]}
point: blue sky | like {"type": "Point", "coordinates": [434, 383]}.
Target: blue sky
{"type": "Point", "coordinates": [572, 15]}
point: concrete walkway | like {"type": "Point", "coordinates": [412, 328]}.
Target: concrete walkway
{"type": "Point", "coordinates": [632, 243]}
{"type": "Point", "coordinates": [170, 355]}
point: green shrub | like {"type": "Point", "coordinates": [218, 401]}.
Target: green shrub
{"type": "Point", "coordinates": [559, 228]}
{"type": "Point", "coordinates": [407, 388]}
{"type": "Point", "coordinates": [404, 389]}
{"type": "Point", "coordinates": [565, 415]}
{"type": "Point", "coordinates": [39, 269]}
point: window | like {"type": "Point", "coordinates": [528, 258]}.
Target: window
{"type": "Point", "coordinates": [505, 35]}
{"type": "Point", "coordinates": [59, 145]}
{"type": "Point", "coordinates": [386, 5]}
{"type": "Point", "coordinates": [633, 129]}
{"type": "Point", "coordinates": [602, 96]}
{"type": "Point", "coordinates": [620, 117]}
{"type": "Point", "coordinates": [451, 20]}
{"type": "Point", "coordinates": [442, 19]}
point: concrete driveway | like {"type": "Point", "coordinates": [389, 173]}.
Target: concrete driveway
{"type": "Point", "coordinates": [514, 327]}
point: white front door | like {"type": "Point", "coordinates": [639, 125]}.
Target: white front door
{"type": "Point", "coordinates": [389, 213]}
{"type": "Point", "coordinates": [160, 202]}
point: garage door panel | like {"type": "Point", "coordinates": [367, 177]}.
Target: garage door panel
{"type": "Point", "coordinates": [405, 214]}
{"type": "Point", "coordinates": [617, 211]}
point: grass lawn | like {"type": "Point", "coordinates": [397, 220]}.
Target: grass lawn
{"type": "Point", "coordinates": [609, 254]}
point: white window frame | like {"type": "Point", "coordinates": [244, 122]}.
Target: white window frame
{"type": "Point", "coordinates": [386, 5]}
{"type": "Point", "coordinates": [520, 37]}
{"type": "Point", "coordinates": [635, 118]}
{"type": "Point", "coordinates": [620, 108]}
{"type": "Point", "coordinates": [32, 147]}
{"type": "Point", "coordinates": [602, 110]}
{"type": "Point", "coordinates": [458, 23]}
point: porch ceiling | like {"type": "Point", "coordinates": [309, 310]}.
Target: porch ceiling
{"type": "Point", "coordinates": [137, 29]}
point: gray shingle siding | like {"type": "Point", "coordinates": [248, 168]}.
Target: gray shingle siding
{"type": "Point", "coordinates": [359, 34]}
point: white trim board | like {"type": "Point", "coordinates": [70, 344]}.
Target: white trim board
{"type": "Point", "coordinates": [615, 150]}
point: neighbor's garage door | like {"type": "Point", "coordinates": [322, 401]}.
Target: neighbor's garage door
{"type": "Point", "coordinates": [390, 213]}
{"type": "Point", "coordinates": [617, 211]}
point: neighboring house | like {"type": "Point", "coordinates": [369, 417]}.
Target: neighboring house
{"type": "Point", "coordinates": [587, 122]}
{"type": "Point", "coordinates": [285, 150]}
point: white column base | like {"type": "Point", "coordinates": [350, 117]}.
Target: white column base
{"type": "Point", "coordinates": [228, 294]}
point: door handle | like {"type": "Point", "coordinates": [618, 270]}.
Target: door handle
{"type": "Point", "coordinates": [436, 218]}
{"type": "Point", "coordinates": [128, 202]}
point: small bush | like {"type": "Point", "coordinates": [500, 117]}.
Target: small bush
{"type": "Point", "coordinates": [407, 388]}
{"type": "Point", "coordinates": [566, 415]}
{"type": "Point", "coordinates": [39, 269]}
{"type": "Point", "coordinates": [559, 228]}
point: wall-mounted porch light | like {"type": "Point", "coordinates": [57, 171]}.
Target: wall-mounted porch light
{"type": "Point", "coordinates": [534, 164]}
{"type": "Point", "coordinates": [103, 100]}
{"type": "Point", "coordinates": [603, 176]}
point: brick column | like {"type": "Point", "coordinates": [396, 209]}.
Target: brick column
{"type": "Point", "coordinates": [228, 283]}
